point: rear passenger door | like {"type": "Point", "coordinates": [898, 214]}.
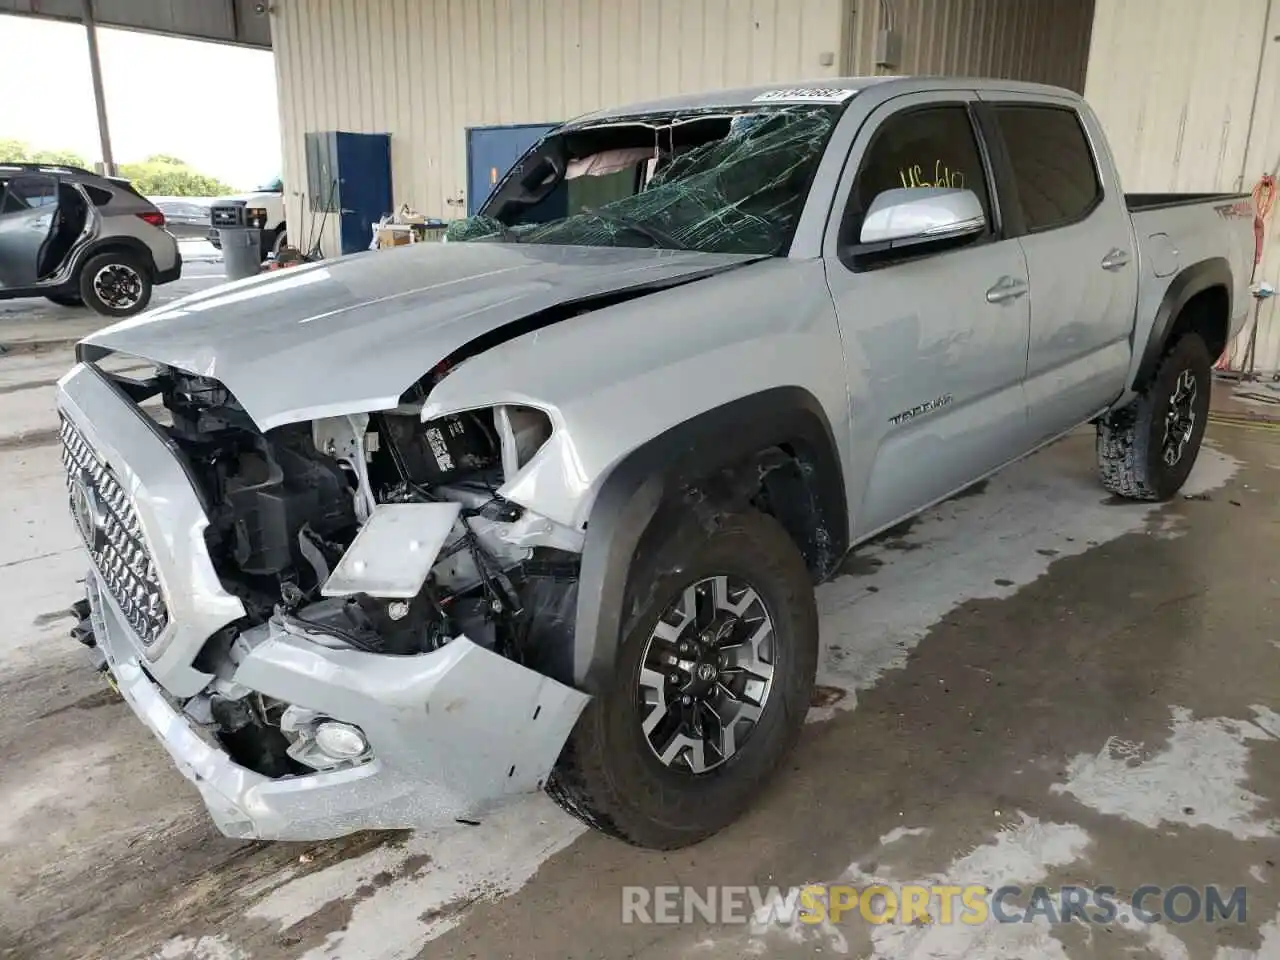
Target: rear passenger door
{"type": "Point", "coordinates": [935, 336]}
{"type": "Point", "coordinates": [28, 215]}
{"type": "Point", "coordinates": [1081, 261]}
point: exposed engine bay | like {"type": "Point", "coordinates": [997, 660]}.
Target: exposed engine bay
{"type": "Point", "coordinates": [286, 505]}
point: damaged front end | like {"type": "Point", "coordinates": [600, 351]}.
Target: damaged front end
{"type": "Point", "coordinates": [331, 625]}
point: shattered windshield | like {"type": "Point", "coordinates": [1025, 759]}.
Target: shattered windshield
{"type": "Point", "coordinates": [730, 182]}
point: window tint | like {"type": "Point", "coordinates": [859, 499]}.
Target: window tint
{"type": "Point", "coordinates": [931, 147]}
{"type": "Point", "coordinates": [99, 196]}
{"type": "Point", "coordinates": [1053, 167]}
{"type": "Point", "coordinates": [27, 193]}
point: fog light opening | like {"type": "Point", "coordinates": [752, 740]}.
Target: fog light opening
{"type": "Point", "coordinates": [341, 741]}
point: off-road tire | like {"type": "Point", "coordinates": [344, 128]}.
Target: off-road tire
{"type": "Point", "coordinates": [90, 296]}
{"type": "Point", "coordinates": [607, 775]}
{"type": "Point", "coordinates": [273, 241]}
{"type": "Point", "coordinates": [65, 299]}
{"type": "Point", "coordinates": [1130, 440]}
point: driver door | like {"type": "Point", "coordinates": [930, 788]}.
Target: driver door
{"type": "Point", "coordinates": [935, 335]}
{"type": "Point", "coordinates": [28, 218]}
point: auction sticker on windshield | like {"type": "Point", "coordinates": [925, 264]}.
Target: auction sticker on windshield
{"type": "Point", "coordinates": [807, 95]}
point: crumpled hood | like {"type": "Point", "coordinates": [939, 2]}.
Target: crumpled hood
{"type": "Point", "coordinates": [352, 335]}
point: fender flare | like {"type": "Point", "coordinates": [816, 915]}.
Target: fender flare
{"type": "Point", "coordinates": [103, 244]}
{"type": "Point", "coordinates": [1195, 279]}
{"type": "Point", "coordinates": [659, 470]}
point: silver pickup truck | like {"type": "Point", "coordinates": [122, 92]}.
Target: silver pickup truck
{"type": "Point", "coordinates": [386, 540]}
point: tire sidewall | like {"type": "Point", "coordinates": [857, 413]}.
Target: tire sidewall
{"type": "Point", "coordinates": [672, 799]}
{"type": "Point", "coordinates": [1189, 353]}
{"type": "Point", "coordinates": [90, 296]}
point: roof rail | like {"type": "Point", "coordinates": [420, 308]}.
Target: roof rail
{"type": "Point", "coordinates": [46, 168]}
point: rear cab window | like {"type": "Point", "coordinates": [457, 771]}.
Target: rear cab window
{"type": "Point", "coordinates": [1055, 174]}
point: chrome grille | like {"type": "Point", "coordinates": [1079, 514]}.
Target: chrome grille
{"type": "Point", "coordinates": [227, 216]}
{"type": "Point", "coordinates": [109, 527]}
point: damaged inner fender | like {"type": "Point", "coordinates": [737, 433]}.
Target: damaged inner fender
{"type": "Point", "coordinates": [286, 505]}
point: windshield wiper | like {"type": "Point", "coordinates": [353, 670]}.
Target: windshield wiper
{"type": "Point", "coordinates": [659, 237]}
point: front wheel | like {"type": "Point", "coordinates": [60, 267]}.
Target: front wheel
{"type": "Point", "coordinates": [115, 284]}
{"type": "Point", "coordinates": [1147, 449]}
{"type": "Point", "coordinates": [711, 685]}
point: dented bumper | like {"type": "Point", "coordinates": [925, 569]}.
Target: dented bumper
{"type": "Point", "coordinates": [452, 733]}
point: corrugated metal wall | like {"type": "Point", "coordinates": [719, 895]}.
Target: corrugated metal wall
{"type": "Point", "coordinates": [1189, 95]}
{"type": "Point", "coordinates": [1040, 40]}
{"type": "Point", "coordinates": [424, 70]}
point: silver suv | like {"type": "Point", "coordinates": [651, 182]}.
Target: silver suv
{"type": "Point", "coordinates": [81, 239]}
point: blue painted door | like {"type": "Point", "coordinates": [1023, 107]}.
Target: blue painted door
{"type": "Point", "coordinates": [364, 185]}
{"type": "Point", "coordinates": [491, 152]}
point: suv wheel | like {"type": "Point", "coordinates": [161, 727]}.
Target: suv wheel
{"type": "Point", "coordinates": [115, 284]}
{"type": "Point", "coordinates": [1147, 449]}
{"type": "Point", "coordinates": [712, 683]}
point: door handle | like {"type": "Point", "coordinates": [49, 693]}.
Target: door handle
{"type": "Point", "coordinates": [1115, 259]}
{"type": "Point", "coordinates": [1008, 288]}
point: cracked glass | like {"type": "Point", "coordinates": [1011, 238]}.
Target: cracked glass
{"type": "Point", "coordinates": [739, 192]}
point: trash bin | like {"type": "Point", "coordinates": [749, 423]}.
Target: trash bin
{"type": "Point", "coordinates": [241, 251]}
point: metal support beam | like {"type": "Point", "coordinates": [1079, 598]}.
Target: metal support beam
{"type": "Point", "coordinates": [99, 98]}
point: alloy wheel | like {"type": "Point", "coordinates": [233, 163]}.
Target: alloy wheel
{"type": "Point", "coordinates": [1180, 418]}
{"type": "Point", "coordinates": [706, 674]}
{"type": "Point", "coordinates": [118, 285]}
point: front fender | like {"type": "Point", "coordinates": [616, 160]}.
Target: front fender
{"type": "Point", "coordinates": [613, 379]}
{"type": "Point", "coordinates": [646, 394]}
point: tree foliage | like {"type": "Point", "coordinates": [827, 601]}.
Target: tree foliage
{"type": "Point", "coordinates": [16, 151]}
{"type": "Point", "coordinates": [159, 175]}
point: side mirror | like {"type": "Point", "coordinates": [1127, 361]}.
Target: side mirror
{"type": "Point", "coordinates": [913, 215]}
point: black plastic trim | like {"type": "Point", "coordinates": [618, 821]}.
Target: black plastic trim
{"type": "Point", "coordinates": [1004, 188]}
{"type": "Point", "coordinates": [1146, 202]}
{"type": "Point", "coordinates": [659, 472]}
{"type": "Point", "coordinates": [1197, 278]}
{"type": "Point", "coordinates": [104, 244]}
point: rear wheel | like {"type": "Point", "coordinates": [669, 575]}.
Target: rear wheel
{"type": "Point", "coordinates": [712, 682]}
{"type": "Point", "coordinates": [1147, 449]}
{"type": "Point", "coordinates": [65, 299]}
{"type": "Point", "coordinates": [115, 284]}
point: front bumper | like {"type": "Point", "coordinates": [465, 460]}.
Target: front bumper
{"type": "Point", "coordinates": [453, 733]}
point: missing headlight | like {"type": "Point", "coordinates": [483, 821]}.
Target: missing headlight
{"type": "Point", "coordinates": [489, 445]}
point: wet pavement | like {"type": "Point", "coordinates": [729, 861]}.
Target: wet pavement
{"type": "Point", "coordinates": [1032, 685]}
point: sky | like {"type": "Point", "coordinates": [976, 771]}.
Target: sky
{"type": "Point", "coordinates": [210, 104]}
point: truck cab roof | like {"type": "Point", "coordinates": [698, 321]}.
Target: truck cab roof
{"type": "Point", "coordinates": [823, 90]}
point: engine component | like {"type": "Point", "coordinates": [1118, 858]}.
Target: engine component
{"type": "Point", "coordinates": [443, 449]}
{"type": "Point", "coordinates": [273, 492]}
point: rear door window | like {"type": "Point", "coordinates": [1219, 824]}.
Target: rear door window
{"type": "Point", "coordinates": [1054, 171]}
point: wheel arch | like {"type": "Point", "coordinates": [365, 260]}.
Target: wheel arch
{"type": "Point", "coordinates": [778, 441]}
{"type": "Point", "coordinates": [102, 245]}
{"type": "Point", "coordinates": [1198, 300]}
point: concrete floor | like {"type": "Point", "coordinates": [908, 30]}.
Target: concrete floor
{"type": "Point", "coordinates": [1031, 684]}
